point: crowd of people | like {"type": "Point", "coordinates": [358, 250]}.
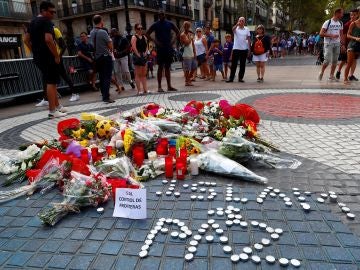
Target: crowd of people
{"type": "Point", "coordinates": [119, 59]}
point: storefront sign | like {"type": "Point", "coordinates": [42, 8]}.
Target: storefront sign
{"type": "Point", "coordinates": [130, 203]}
{"type": "Point", "coordinates": [10, 40]}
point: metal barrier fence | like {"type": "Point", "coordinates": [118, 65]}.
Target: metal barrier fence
{"type": "Point", "coordinates": [21, 77]}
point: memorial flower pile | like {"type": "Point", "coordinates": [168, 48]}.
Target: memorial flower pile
{"type": "Point", "coordinates": [94, 154]}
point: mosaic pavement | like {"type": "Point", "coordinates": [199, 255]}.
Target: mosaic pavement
{"type": "Point", "coordinates": [327, 145]}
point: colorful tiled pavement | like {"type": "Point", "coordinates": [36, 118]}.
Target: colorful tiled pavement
{"type": "Point", "coordinates": [323, 238]}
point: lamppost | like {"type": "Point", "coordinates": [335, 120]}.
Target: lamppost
{"type": "Point", "coordinates": [128, 27]}
{"type": "Point", "coordinates": [218, 4]}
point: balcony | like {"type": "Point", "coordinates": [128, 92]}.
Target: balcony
{"type": "Point", "coordinates": [101, 6]}
{"type": "Point", "coordinates": [13, 11]}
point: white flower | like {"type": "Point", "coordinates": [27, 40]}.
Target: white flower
{"type": "Point", "coordinates": [28, 153]}
{"type": "Point", "coordinates": [213, 110]}
{"type": "Point", "coordinates": [160, 111]}
{"type": "Point", "coordinates": [206, 110]}
{"type": "Point", "coordinates": [23, 166]}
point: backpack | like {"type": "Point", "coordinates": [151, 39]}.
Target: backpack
{"type": "Point", "coordinates": [259, 47]}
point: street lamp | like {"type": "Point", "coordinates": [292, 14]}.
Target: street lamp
{"type": "Point", "coordinates": [218, 4]}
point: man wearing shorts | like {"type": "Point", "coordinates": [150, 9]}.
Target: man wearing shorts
{"type": "Point", "coordinates": [164, 47]}
{"type": "Point", "coordinates": [40, 38]}
{"type": "Point", "coordinates": [332, 32]}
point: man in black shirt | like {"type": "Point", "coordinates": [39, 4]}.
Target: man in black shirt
{"type": "Point", "coordinates": [164, 47]}
{"type": "Point", "coordinates": [40, 38]}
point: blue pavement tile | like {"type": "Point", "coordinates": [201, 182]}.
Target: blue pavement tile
{"type": "Point", "coordinates": [19, 222]}
{"type": "Point", "coordinates": [182, 214]}
{"type": "Point", "coordinates": [257, 236]}
{"type": "Point", "coordinates": [98, 235]}
{"type": "Point", "coordinates": [70, 221]}
{"type": "Point", "coordinates": [150, 263]}
{"type": "Point", "coordinates": [197, 263]}
{"type": "Point", "coordinates": [319, 226]}
{"type": "Point", "coordinates": [314, 215]}
{"type": "Point", "coordinates": [271, 205]}
{"type": "Point", "coordinates": [299, 226]}
{"type": "Point", "coordinates": [348, 240]}
{"type": "Point", "coordinates": [13, 245]}
{"type": "Point", "coordinates": [132, 248]}
{"type": "Point", "coordinates": [313, 253]}
{"type": "Point", "coordinates": [105, 224]}
{"type": "Point", "coordinates": [217, 251]}
{"type": "Point", "coordinates": [329, 216]}
{"type": "Point", "coordinates": [339, 227]}
{"type": "Point", "coordinates": [328, 239]}
{"type": "Point", "coordinates": [80, 234]}
{"type": "Point", "coordinates": [62, 233]}
{"type": "Point", "coordinates": [252, 205]}
{"type": "Point", "coordinates": [4, 221]}
{"type": "Point", "coordinates": [19, 259]}
{"type": "Point", "coordinates": [172, 264]}
{"type": "Point", "coordinates": [3, 210]}
{"type": "Point", "coordinates": [138, 235]}
{"type": "Point", "coordinates": [286, 239]}
{"type": "Point", "coordinates": [123, 223]}
{"type": "Point", "coordinates": [201, 205]}
{"type": "Point", "coordinates": [104, 262]}
{"type": "Point", "coordinates": [34, 222]}
{"type": "Point", "coordinates": [199, 215]}
{"type": "Point", "coordinates": [90, 247]}
{"type": "Point", "coordinates": [168, 205]}
{"type": "Point", "coordinates": [117, 235]}
{"type": "Point", "coordinates": [240, 237]}
{"type": "Point", "coordinates": [277, 215]}
{"type": "Point", "coordinates": [59, 261]}
{"type": "Point", "coordinates": [111, 248]}
{"type": "Point", "coordinates": [221, 263]}
{"type": "Point", "coordinates": [175, 251]}
{"type": "Point", "coordinates": [88, 223]}
{"type": "Point", "coordinates": [254, 215]}
{"type": "Point", "coordinates": [306, 239]}
{"type": "Point", "coordinates": [31, 212]}
{"type": "Point", "coordinates": [356, 253]}
{"type": "Point", "coordinates": [290, 252]}
{"type": "Point", "coordinates": [156, 249]}
{"type": "Point", "coordinates": [321, 266]}
{"type": "Point", "coordinates": [144, 224]}
{"type": "Point", "coordinates": [126, 262]}
{"type": "Point", "coordinates": [183, 205]}
{"type": "Point", "coordinates": [70, 247]}
{"type": "Point", "coordinates": [15, 211]}
{"type": "Point", "coordinates": [44, 233]}
{"type": "Point", "coordinates": [33, 245]}
{"type": "Point", "coordinates": [346, 266]}
{"type": "Point", "coordinates": [9, 232]}
{"type": "Point", "coordinates": [294, 215]}
{"type": "Point", "coordinates": [81, 262]}
{"type": "Point", "coordinates": [39, 260]}
{"type": "Point", "coordinates": [4, 255]}
{"type": "Point", "coordinates": [26, 232]}
{"type": "Point", "coordinates": [203, 250]}
{"type": "Point", "coordinates": [51, 246]}
{"type": "Point", "coordinates": [338, 254]}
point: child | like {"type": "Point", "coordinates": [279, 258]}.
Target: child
{"type": "Point", "coordinates": [216, 53]}
{"type": "Point", "coordinates": [150, 63]}
{"type": "Point", "coordinates": [228, 45]}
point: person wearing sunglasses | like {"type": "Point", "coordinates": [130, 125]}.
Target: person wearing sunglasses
{"type": "Point", "coordinates": [40, 38]}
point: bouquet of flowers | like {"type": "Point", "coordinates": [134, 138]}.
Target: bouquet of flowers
{"type": "Point", "coordinates": [165, 125]}
{"type": "Point", "coordinates": [47, 178]}
{"type": "Point", "coordinates": [212, 161]}
{"type": "Point", "coordinates": [80, 192]}
{"type": "Point", "coordinates": [192, 147]}
{"type": "Point", "coordinates": [151, 170]}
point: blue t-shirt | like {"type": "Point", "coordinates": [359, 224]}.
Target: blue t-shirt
{"type": "Point", "coordinates": [218, 58]}
{"type": "Point", "coordinates": [209, 39]}
{"type": "Point", "coordinates": [162, 31]}
{"type": "Point", "coordinates": [227, 51]}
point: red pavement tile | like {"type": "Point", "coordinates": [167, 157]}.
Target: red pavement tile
{"type": "Point", "coordinates": [310, 106]}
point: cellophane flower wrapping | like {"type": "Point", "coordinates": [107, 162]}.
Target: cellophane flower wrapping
{"type": "Point", "coordinates": [151, 170]}
{"type": "Point", "coordinates": [212, 161]}
{"type": "Point", "coordinates": [80, 191]}
{"type": "Point", "coordinates": [165, 125]}
{"type": "Point", "coordinates": [49, 176]}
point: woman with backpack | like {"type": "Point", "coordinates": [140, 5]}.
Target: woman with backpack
{"type": "Point", "coordinates": [260, 49]}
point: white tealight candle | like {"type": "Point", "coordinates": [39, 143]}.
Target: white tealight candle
{"type": "Point", "coordinates": [152, 156]}
{"type": "Point", "coordinates": [194, 166]}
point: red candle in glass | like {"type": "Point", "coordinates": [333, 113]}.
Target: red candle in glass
{"type": "Point", "coordinates": [169, 168]}
{"type": "Point", "coordinates": [94, 154]}
{"type": "Point", "coordinates": [109, 150]}
{"type": "Point", "coordinates": [183, 153]}
{"type": "Point", "coordinates": [85, 156]}
{"type": "Point", "coordinates": [138, 155]}
{"type": "Point", "coordinates": [172, 150]}
{"type": "Point", "coordinates": [162, 147]}
{"type": "Point", "coordinates": [180, 168]}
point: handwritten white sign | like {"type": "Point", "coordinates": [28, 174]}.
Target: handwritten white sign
{"type": "Point", "coordinates": [130, 203]}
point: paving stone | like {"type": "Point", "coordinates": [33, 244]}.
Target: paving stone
{"type": "Point", "coordinates": [348, 240]}
{"type": "Point", "coordinates": [81, 262]}
{"type": "Point", "coordinates": [198, 264]}
{"type": "Point", "coordinates": [62, 233]}
{"type": "Point", "coordinates": [88, 223]}
{"type": "Point", "coordinates": [337, 254]}
{"type": "Point", "coordinates": [343, 266]}
{"type": "Point", "coordinates": [104, 262]}
{"type": "Point", "coordinates": [98, 234]}
{"type": "Point", "coordinates": [328, 239]}
{"type": "Point", "coordinates": [175, 251]}
{"type": "Point", "coordinates": [105, 224]}
{"type": "Point", "coordinates": [241, 238]}
{"type": "Point", "coordinates": [221, 263]}
{"type": "Point", "coordinates": [126, 262]}
{"type": "Point", "coordinates": [132, 248]}
{"type": "Point", "coordinates": [13, 245]}
{"type": "Point", "coordinates": [80, 234]}
{"type": "Point", "coordinates": [19, 259]}
{"type": "Point", "coordinates": [138, 235]}
{"type": "Point", "coordinates": [306, 239]}
{"type": "Point", "coordinates": [173, 264]}
{"type": "Point", "coordinates": [313, 253]}
{"type": "Point", "coordinates": [123, 223]}
{"type": "Point", "coordinates": [39, 260]}
{"type": "Point", "coordinates": [32, 245]}
{"type": "Point", "coordinates": [111, 248]}
{"type": "Point", "coordinates": [4, 255]}
{"type": "Point", "coordinates": [142, 224]}
{"type": "Point", "coordinates": [51, 246]}
{"type": "Point", "coordinates": [90, 247]}
{"type": "Point", "coordinates": [150, 263]}
{"type": "Point", "coordinates": [290, 251]}
{"type": "Point", "coordinates": [70, 246]}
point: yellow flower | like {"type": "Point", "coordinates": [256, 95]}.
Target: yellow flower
{"type": "Point", "coordinates": [84, 143]}
{"type": "Point", "coordinates": [128, 140]}
{"type": "Point", "coordinates": [82, 131]}
{"type": "Point", "coordinates": [90, 135]}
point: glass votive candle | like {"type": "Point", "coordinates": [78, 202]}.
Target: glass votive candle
{"type": "Point", "coordinates": [183, 153]}
{"type": "Point", "coordinates": [169, 167]}
{"type": "Point", "coordinates": [180, 168]}
{"type": "Point", "coordinates": [194, 166]}
{"type": "Point", "coordinates": [172, 150]}
{"type": "Point", "coordinates": [138, 155]}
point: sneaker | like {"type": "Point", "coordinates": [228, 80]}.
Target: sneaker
{"type": "Point", "coordinates": [56, 114]}
{"type": "Point", "coordinates": [258, 80]}
{"type": "Point", "coordinates": [132, 85]}
{"type": "Point", "coordinates": [172, 89]}
{"type": "Point", "coordinates": [320, 76]}
{"type": "Point", "coordinates": [43, 102]}
{"type": "Point", "coordinates": [62, 109]}
{"type": "Point", "coordinates": [160, 90]}
{"type": "Point", "coordinates": [337, 75]}
{"type": "Point", "coordinates": [332, 79]}
{"type": "Point", "coordinates": [74, 97]}
{"type": "Point", "coordinates": [241, 80]}
{"type": "Point", "coordinates": [107, 101]}
{"type": "Point", "coordinates": [353, 78]}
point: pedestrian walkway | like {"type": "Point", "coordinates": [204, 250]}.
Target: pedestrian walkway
{"type": "Point", "coordinates": [315, 122]}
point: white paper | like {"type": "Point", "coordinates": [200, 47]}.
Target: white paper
{"type": "Point", "coordinates": [130, 203]}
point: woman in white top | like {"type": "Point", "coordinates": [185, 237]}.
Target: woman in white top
{"type": "Point", "coordinates": [201, 54]}
{"type": "Point", "coordinates": [189, 54]}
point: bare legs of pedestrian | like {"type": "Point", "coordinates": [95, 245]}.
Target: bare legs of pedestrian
{"type": "Point", "coordinates": [351, 64]}
{"type": "Point", "coordinates": [140, 79]}
{"type": "Point", "coordinates": [260, 70]}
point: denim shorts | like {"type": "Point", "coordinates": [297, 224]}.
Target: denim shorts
{"type": "Point", "coordinates": [218, 67]}
{"type": "Point", "coordinates": [331, 53]}
{"type": "Point", "coordinates": [189, 64]}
